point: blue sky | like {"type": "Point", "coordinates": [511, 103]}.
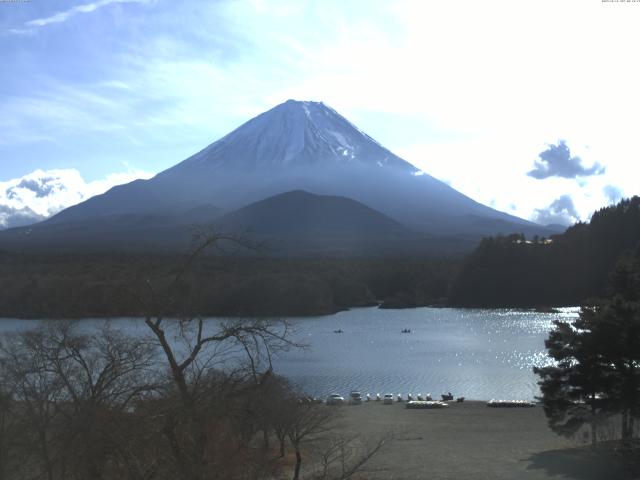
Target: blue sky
{"type": "Point", "coordinates": [98, 92]}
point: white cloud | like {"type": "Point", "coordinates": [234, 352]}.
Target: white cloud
{"type": "Point", "coordinates": [41, 193]}
{"type": "Point", "coordinates": [33, 25]}
{"type": "Point", "coordinates": [556, 161]}
{"type": "Point", "coordinates": [17, 217]}
{"type": "Point", "coordinates": [562, 211]}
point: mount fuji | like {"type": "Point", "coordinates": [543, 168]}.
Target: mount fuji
{"type": "Point", "coordinates": [296, 146]}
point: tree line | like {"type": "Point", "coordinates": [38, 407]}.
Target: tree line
{"type": "Point", "coordinates": [567, 269]}
{"type": "Point", "coordinates": [100, 285]}
{"type": "Point", "coordinates": [503, 271]}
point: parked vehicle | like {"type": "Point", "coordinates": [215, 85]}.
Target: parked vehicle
{"type": "Point", "coordinates": [335, 399]}
{"type": "Point", "coordinates": [388, 398]}
{"type": "Point", "coordinates": [355, 398]}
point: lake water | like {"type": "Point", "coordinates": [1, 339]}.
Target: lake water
{"type": "Point", "coordinates": [479, 354]}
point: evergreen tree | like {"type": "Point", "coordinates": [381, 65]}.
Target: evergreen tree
{"type": "Point", "coordinates": [573, 389]}
{"type": "Point", "coordinates": [619, 320]}
{"type": "Point", "coordinates": [597, 370]}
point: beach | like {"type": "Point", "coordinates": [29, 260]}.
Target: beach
{"type": "Point", "coordinates": [468, 440]}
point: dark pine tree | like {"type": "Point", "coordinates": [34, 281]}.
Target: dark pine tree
{"type": "Point", "coordinates": [573, 389]}
{"type": "Point", "coordinates": [597, 370]}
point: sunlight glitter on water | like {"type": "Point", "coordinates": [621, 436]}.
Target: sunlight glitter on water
{"type": "Point", "coordinates": [478, 354]}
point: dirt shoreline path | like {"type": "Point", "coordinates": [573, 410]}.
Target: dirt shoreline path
{"type": "Point", "coordinates": [471, 441]}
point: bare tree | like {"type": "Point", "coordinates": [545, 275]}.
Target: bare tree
{"type": "Point", "coordinates": [308, 423]}
{"type": "Point", "coordinates": [6, 433]}
{"type": "Point", "coordinates": [344, 456]}
{"type": "Point", "coordinates": [28, 379]}
{"type": "Point", "coordinates": [191, 346]}
{"type": "Point", "coordinates": [76, 392]}
{"type": "Point", "coordinates": [340, 456]}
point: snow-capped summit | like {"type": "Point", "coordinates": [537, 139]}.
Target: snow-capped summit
{"type": "Point", "coordinates": [294, 134]}
{"type": "Point", "coordinates": [301, 146]}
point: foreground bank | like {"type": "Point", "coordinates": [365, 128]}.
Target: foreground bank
{"type": "Point", "coordinates": [470, 441]}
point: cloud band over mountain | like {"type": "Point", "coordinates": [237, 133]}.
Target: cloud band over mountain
{"type": "Point", "coordinates": [40, 194]}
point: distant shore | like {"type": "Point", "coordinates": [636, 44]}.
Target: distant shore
{"type": "Point", "coordinates": [471, 441]}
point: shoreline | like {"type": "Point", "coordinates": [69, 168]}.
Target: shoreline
{"type": "Point", "coordinates": [332, 313]}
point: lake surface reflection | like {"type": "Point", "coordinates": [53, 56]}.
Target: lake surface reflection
{"type": "Point", "coordinates": [478, 354]}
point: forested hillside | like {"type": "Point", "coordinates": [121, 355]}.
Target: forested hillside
{"type": "Point", "coordinates": [563, 270]}
{"type": "Point", "coordinates": [72, 286]}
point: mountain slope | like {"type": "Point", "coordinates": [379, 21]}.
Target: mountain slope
{"type": "Point", "coordinates": [308, 146]}
{"type": "Point", "coordinates": [301, 213]}
{"type": "Point", "coordinates": [294, 146]}
{"type": "Point", "coordinates": [292, 222]}
{"type": "Point", "coordinates": [158, 232]}
{"type": "Point", "coordinates": [300, 221]}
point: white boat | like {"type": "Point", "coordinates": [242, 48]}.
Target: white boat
{"type": "Point", "coordinates": [426, 404]}
{"type": "Point", "coordinates": [510, 403]}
